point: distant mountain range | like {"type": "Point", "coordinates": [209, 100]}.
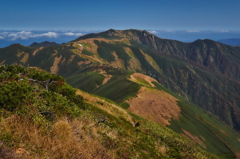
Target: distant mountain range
{"type": "Point", "coordinates": [155, 78]}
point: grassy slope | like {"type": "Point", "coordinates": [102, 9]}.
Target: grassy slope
{"type": "Point", "coordinates": [216, 137]}
{"type": "Point", "coordinates": [190, 69]}
{"type": "Point", "coordinates": [57, 126]}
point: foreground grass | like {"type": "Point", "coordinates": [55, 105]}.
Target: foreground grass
{"type": "Point", "coordinates": [58, 123]}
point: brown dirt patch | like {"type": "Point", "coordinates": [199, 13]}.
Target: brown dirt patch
{"type": "Point", "coordinates": [239, 139]}
{"type": "Point", "coordinates": [2, 62]}
{"type": "Point", "coordinates": [63, 60]}
{"type": "Point", "coordinates": [20, 53]}
{"type": "Point", "coordinates": [237, 154]}
{"type": "Point", "coordinates": [36, 51]}
{"type": "Point", "coordinates": [71, 58]}
{"type": "Point", "coordinates": [54, 69]}
{"type": "Point", "coordinates": [55, 53]}
{"type": "Point", "coordinates": [119, 63]}
{"type": "Point", "coordinates": [138, 77]}
{"type": "Point", "coordinates": [25, 58]}
{"type": "Point", "coordinates": [103, 72]}
{"type": "Point", "coordinates": [155, 105]}
{"type": "Point", "coordinates": [195, 139]}
{"type": "Point", "coordinates": [83, 62]}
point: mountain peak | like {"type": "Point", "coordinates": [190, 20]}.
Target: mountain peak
{"type": "Point", "coordinates": [43, 44]}
{"type": "Point", "coordinates": [131, 34]}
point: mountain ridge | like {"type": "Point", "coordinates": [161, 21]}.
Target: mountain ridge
{"type": "Point", "coordinates": [43, 44]}
{"type": "Point", "coordinates": [101, 66]}
{"type": "Point", "coordinates": [188, 64]}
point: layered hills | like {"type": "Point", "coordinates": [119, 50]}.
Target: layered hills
{"type": "Point", "coordinates": [140, 71]}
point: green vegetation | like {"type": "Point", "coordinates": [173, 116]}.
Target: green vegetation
{"type": "Point", "coordinates": [217, 137]}
{"type": "Point", "coordinates": [56, 122]}
{"type": "Point", "coordinates": [87, 81]}
{"type": "Point", "coordinates": [105, 51]}
{"type": "Point", "coordinates": [118, 89]}
{"type": "Point", "coordinates": [87, 52]}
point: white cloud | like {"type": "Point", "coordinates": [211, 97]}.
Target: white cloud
{"type": "Point", "coordinates": [48, 34]}
{"type": "Point", "coordinates": [153, 32]}
{"type": "Point", "coordinates": [17, 35]}
{"type": "Point", "coordinates": [72, 34]}
{"type": "Point", "coordinates": [193, 31]}
{"type": "Point", "coordinates": [24, 35]}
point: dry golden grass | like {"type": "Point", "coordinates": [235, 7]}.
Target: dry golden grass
{"type": "Point", "coordinates": [90, 46]}
{"type": "Point", "coordinates": [119, 63]}
{"type": "Point", "coordinates": [154, 105]}
{"type": "Point", "coordinates": [152, 62]}
{"type": "Point", "coordinates": [64, 139]}
{"type": "Point", "coordinates": [133, 64]}
{"type": "Point", "coordinates": [107, 106]}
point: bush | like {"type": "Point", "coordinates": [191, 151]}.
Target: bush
{"type": "Point", "coordinates": [15, 94]}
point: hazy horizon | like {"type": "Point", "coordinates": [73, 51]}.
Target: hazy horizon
{"type": "Point", "coordinates": [8, 37]}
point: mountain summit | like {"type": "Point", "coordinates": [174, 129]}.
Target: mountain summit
{"type": "Point", "coordinates": [43, 44]}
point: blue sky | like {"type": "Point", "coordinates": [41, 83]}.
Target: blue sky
{"type": "Point", "coordinates": [120, 14]}
{"type": "Point", "coordinates": [161, 16]}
